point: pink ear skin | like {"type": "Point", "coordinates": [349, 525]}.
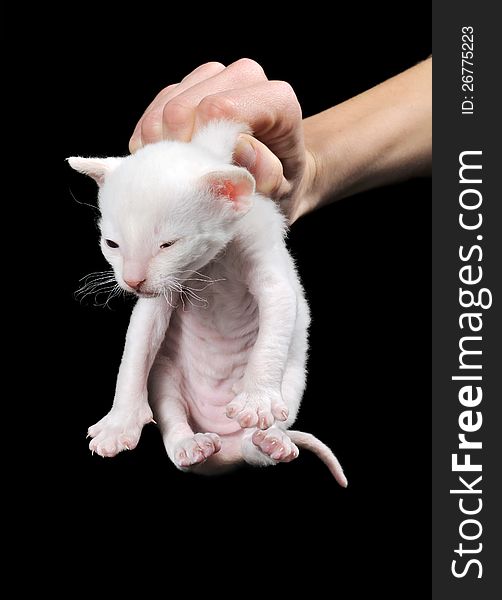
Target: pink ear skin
{"type": "Point", "coordinates": [236, 187]}
{"type": "Point", "coordinates": [97, 168]}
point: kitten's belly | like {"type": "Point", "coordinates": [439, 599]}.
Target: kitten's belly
{"type": "Point", "coordinates": [209, 348]}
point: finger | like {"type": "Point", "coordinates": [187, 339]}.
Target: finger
{"type": "Point", "coordinates": [263, 165]}
{"type": "Point", "coordinates": [171, 114]}
{"type": "Point", "coordinates": [273, 113]}
{"type": "Point", "coordinates": [135, 143]}
{"type": "Point", "coordinates": [179, 112]}
{"type": "Point", "coordinates": [155, 108]}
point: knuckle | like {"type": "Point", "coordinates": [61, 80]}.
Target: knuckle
{"type": "Point", "coordinates": [160, 97]}
{"type": "Point", "coordinates": [285, 91]}
{"type": "Point", "coordinates": [211, 66]}
{"type": "Point", "coordinates": [206, 69]}
{"type": "Point", "coordinates": [249, 66]}
{"type": "Point", "coordinates": [151, 127]}
{"type": "Point", "coordinates": [175, 113]}
{"type": "Point", "coordinates": [286, 98]}
{"type": "Point", "coordinates": [216, 107]}
{"type": "Point", "coordinates": [285, 87]}
{"type": "Point", "coordinates": [168, 89]}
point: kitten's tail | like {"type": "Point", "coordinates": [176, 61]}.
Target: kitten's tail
{"type": "Point", "coordinates": [308, 441]}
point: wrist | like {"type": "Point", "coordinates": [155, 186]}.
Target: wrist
{"type": "Point", "coordinates": [323, 178]}
{"type": "Point", "coordinates": [305, 198]}
{"type": "Point", "coordinates": [379, 137]}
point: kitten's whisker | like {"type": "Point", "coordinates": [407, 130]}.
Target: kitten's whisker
{"type": "Point", "coordinates": [107, 272]}
{"type": "Point", "coordinates": [97, 283]}
{"type": "Point", "coordinates": [195, 304]}
{"type": "Point", "coordinates": [109, 293]}
{"type": "Point", "coordinates": [195, 272]}
{"type": "Point", "coordinates": [201, 288]}
{"type": "Point", "coordinates": [94, 280]}
{"type": "Point", "coordinates": [167, 300]}
{"type": "Point", "coordinates": [208, 281]}
{"type": "Point", "coordinates": [83, 203]}
{"type": "Point", "coordinates": [114, 292]}
{"type": "Point", "coordinates": [192, 302]}
{"type": "Point", "coordinates": [205, 279]}
{"type": "Point", "coordinates": [85, 291]}
{"type": "Point", "coordinates": [98, 280]}
{"type": "Point", "coordinates": [191, 293]}
{"type": "Point", "coordinates": [201, 277]}
{"type": "Point", "coordinates": [96, 293]}
{"type": "Point", "coordinates": [171, 296]}
{"type": "Point", "coordinates": [91, 284]}
{"type": "Point", "coordinates": [105, 304]}
{"type": "Point", "coordinates": [92, 288]}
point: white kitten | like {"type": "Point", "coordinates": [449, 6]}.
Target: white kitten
{"type": "Point", "coordinates": [217, 341]}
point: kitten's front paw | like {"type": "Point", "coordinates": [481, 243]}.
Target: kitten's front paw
{"type": "Point", "coordinates": [276, 444]}
{"type": "Point", "coordinates": [257, 409]}
{"type": "Point", "coordinates": [194, 450]}
{"type": "Point", "coordinates": [118, 431]}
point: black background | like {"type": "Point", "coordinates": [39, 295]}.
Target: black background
{"type": "Point", "coordinates": [364, 262]}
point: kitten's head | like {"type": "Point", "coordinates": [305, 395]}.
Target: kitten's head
{"type": "Point", "coordinates": [169, 209]}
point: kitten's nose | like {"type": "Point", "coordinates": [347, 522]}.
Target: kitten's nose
{"type": "Point", "coordinates": [134, 283]}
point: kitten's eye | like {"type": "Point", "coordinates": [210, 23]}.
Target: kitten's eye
{"type": "Point", "coordinates": [166, 244]}
{"type": "Point", "coordinates": [111, 244]}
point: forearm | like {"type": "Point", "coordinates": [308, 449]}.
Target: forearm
{"type": "Point", "coordinates": [379, 137]}
{"type": "Point", "coordinates": [146, 331]}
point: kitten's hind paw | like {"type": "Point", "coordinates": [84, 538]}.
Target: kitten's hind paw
{"type": "Point", "coordinates": [256, 410]}
{"type": "Point", "coordinates": [195, 450]}
{"type": "Point", "coordinates": [276, 444]}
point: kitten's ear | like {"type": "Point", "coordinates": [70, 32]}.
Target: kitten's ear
{"type": "Point", "coordinates": [97, 168]}
{"type": "Point", "coordinates": [234, 185]}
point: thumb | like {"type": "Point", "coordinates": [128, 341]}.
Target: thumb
{"type": "Point", "coordinates": [263, 165]}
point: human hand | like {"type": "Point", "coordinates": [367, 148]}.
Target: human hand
{"type": "Point", "coordinates": [276, 155]}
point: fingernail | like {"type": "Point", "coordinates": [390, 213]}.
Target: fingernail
{"type": "Point", "coordinates": [245, 154]}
